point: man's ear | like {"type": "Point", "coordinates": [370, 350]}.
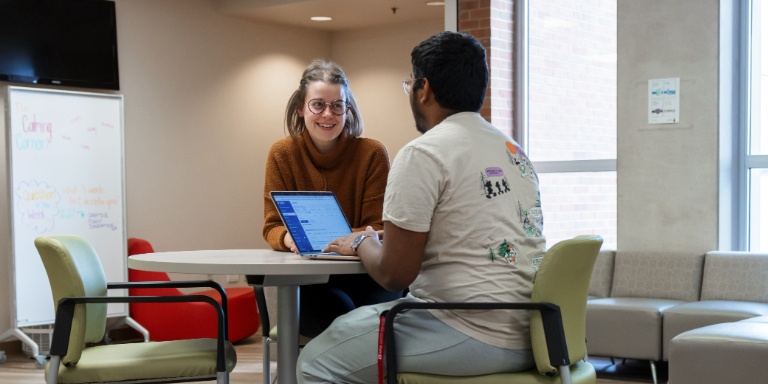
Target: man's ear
{"type": "Point", "coordinates": [427, 94]}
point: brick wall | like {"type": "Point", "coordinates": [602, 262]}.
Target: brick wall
{"type": "Point", "coordinates": [572, 79]}
{"type": "Point", "coordinates": [490, 22]}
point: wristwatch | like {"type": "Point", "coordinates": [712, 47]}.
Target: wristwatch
{"type": "Point", "coordinates": [357, 241]}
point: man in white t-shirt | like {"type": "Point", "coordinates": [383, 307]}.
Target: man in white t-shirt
{"type": "Point", "coordinates": [462, 222]}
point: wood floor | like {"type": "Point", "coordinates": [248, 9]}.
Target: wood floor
{"type": "Point", "coordinates": [19, 369]}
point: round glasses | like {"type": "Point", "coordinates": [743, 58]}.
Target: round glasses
{"type": "Point", "coordinates": [318, 106]}
{"type": "Point", "coordinates": [407, 85]}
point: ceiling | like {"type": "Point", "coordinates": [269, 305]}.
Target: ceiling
{"type": "Point", "coordinates": [346, 14]}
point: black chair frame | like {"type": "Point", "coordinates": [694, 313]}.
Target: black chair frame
{"type": "Point", "coordinates": [550, 314]}
{"type": "Point", "coordinates": [66, 310]}
{"type": "Point", "coordinates": [257, 282]}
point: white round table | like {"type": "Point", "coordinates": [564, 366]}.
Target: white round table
{"type": "Point", "coordinates": [284, 270]}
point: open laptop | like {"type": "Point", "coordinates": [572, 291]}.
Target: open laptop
{"type": "Point", "coordinates": [313, 219]}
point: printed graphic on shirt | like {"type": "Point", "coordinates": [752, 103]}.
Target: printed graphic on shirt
{"type": "Point", "coordinates": [532, 218]}
{"type": "Point", "coordinates": [493, 182]}
{"type": "Point", "coordinates": [536, 262]}
{"type": "Point", "coordinates": [505, 251]}
{"type": "Point", "coordinates": [519, 159]}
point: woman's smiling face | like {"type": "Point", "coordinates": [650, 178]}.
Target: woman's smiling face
{"type": "Point", "coordinates": [324, 128]}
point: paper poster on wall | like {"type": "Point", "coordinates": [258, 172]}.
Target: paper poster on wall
{"type": "Point", "coordinates": [66, 156]}
{"type": "Point", "coordinates": [664, 101]}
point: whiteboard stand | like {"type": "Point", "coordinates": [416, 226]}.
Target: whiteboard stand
{"type": "Point", "coordinates": [41, 359]}
{"type": "Point", "coordinates": [17, 333]}
{"type": "Point", "coordinates": [67, 175]}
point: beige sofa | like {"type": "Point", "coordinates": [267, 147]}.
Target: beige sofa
{"type": "Point", "coordinates": [721, 353]}
{"type": "Point", "coordinates": [655, 296]}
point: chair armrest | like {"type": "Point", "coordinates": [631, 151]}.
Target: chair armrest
{"type": "Point", "coordinates": [550, 315]}
{"type": "Point", "coordinates": [177, 284]}
{"type": "Point", "coordinates": [65, 312]}
{"type": "Point", "coordinates": [171, 284]}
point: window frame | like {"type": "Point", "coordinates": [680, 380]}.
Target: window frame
{"type": "Point", "coordinates": [736, 106]}
{"type": "Point", "coordinates": [520, 133]}
{"type": "Point", "coordinates": [521, 117]}
{"type": "Point", "coordinates": [521, 79]}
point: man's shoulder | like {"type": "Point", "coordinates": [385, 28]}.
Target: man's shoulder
{"type": "Point", "coordinates": [458, 133]}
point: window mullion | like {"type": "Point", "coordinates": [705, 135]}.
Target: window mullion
{"type": "Point", "coordinates": [603, 165]}
{"type": "Point", "coordinates": [756, 161]}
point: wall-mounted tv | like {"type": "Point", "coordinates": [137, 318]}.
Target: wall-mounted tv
{"type": "Point", "coordinates": [59, 42]}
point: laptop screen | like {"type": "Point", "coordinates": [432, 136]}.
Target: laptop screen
{"type": "Point", "coordinates": [313, 219]}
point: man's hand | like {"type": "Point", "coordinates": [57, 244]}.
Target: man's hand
{"type": "Point", "coordinates": [395, 263]}
{"type": "Point", "coordinates": [343, 245]}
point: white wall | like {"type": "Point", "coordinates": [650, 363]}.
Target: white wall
{"type": "Point", "coordinates": [376, 61]}
{"type": "Point", "coordinates": [205, 95]}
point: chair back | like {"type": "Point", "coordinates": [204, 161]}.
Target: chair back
{"type": "Point", "coordinates": [137, 246]}
{"type": "Point", "coordinates": [74, 270]}
{"type": "Point", "coordinates": [563, 279]}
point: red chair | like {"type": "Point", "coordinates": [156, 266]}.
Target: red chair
{"type": "Point", "coordinates": [177, 321]}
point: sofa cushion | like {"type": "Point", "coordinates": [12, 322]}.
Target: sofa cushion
{"type": "Point", "coordinates": [757, 319]}
{"type": "Point", "coordinates": [626, 327]}
{"type": "Point", "coordinates": [741, 276]}
{"type": "Point", "coordinates": [602, 275]}
{"type": "Point", "coordinates": [697, 314]}
{"type": "Point", "coordinates": [659, 275]}
{"type": "Point", "coordinates": [720, 353]}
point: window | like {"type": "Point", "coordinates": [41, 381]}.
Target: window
{"type": "Point", "coordinates": [754, 138]}
{"type": "Point", "coordinates": [570, 132]}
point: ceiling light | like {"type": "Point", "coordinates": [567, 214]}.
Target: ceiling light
{"type": "Point", "coordinates": [435, 3]}
{"type": "Point", "coordinates": [320, 18]}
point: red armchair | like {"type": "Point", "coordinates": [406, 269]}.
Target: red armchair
{"type": "Point", "coordinates": [188, 320]}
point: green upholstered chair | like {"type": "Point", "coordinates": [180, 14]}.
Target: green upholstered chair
{"type": "Point", "coordinates": [77, 277]}
{"type": "Point", "coordinates": [558, 315]}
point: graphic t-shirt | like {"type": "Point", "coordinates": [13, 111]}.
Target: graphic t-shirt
{"type": "Point", "coordinates": [476, 193]}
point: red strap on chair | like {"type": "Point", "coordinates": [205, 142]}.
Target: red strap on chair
{"type": "Point", "coordinates": [380, 355]}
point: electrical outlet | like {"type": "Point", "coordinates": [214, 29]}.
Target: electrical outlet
{"type": "Point", "coordinates": [233, 278]}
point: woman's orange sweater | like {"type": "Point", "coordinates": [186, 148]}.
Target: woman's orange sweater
{"type": "Point", "coordinates": [355, 171]}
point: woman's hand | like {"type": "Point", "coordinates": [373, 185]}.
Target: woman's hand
{"type": "Point", "coordinates": [289, 243]}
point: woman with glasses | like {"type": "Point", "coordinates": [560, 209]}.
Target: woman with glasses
{"type": "Point", "coordinates": [325, 152]}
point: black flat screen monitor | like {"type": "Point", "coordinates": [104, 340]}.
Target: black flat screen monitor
{"type": "Point", "coordinates": [59, 42]}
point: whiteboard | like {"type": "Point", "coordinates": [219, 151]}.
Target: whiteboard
{"type": "Point", "coordinates": [66, 169]}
